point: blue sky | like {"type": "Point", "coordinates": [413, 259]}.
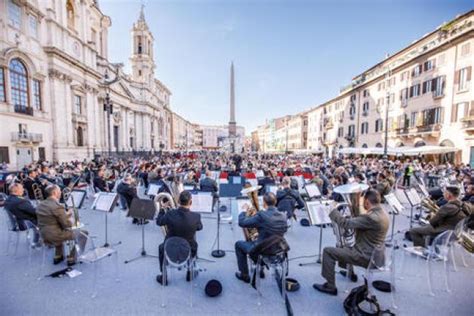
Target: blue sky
{"type": "Point", "coordinates": [289, 55]}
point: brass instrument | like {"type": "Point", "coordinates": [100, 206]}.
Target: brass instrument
{"type": "Point", "coordinates": [430, 205]}
{"type": "Point", "coordinates": [66, 195]}
{"type": "Point", "coordinates": [251, 234]}
{"type": "Point", "coordinates": [38, 192]}
{"type": "Point", "coordinates": [165, 202]}
{"type": "Point", "coordinates": [352, 194]}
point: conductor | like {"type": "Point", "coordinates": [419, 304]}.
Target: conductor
{"type": "Point", "coordinates": [180, 222]}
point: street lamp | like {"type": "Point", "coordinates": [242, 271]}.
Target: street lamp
{"type": "Point", "coordinates": [385, 155]}
{"type": "Point", "coordinates": [108, 106]}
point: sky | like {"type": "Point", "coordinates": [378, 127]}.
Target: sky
{"type": "Point", "coordinates": [289, 56]}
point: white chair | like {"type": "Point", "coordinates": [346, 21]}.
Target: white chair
{"type": "Point", "coordinates": [177, 255]}
{"type": "Point", "coordinates": [93, 255]}
{"type": "Point", "coordinates": [13, 229]}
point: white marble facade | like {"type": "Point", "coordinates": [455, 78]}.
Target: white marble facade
{"type": "Point", "coordinates": [53, 68]}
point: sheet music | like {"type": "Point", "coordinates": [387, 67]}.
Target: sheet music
{"type": "Point", "coordinates": [241, 203]}
{"type": "Point", "coordinates": [253, 182]}
{"type": "Point", "coordinates": [77, 196]}
{"type": "Point", "coordinates": [202, 203]}
{"type": "Point", "coordinates": [260, 174]}
{"type": "Point", "coordinates": [312, 190]}
{"type": "Point", "coordinates": [188, 187]}
{"type": "Point", "coordinates": [272, 188]}
{"type": "Point", "coordinates": [153, 189]}
{"type": "Point", "coordinates": [105, 201]}
{"type": "Point", "coordinates": [424, 191]}
{"type": "Point", "coordinates": [394, 203]}
{"type": "Point", "coordinates": [318, 213]}
{"type": "Point", "coordinates": [413, 197]}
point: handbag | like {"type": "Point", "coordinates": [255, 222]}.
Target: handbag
{"type": "Point", "coordinates": [359, 295]}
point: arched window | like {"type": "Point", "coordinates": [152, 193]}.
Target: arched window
{"type": "Point", "coordinates": [80, 137]}
{"type": "Point", "coordinates": [70, 14]}
{"type": "Point", "coordinates": [19, 86]}
{"type": "Point", "coordinates": [364, 146]}
{"type": "Point", "coordinates": [378, 145]}
{"type": "Point", "coordinates": [420, 143]}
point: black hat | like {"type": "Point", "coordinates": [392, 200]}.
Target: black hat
{"type": "Point", "coordinates": [292, 285]}
{"type": "Point", "coordinates": [213, 288]}
{"type": "Point", "coordinates": [382, 286]}
{"type": "Point", "coordinates": [304, 222]}
{"type": "Point", "coordinates": [222, 208]}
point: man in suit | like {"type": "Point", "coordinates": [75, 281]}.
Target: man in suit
{"type": "Point", "coordinates": [180, 222]}
{"type": "Point", "coordinates": [55, 225]}
{"type": "Point", "coordinates": [370, 231]}
{"type": "Point", "coordinates": [21, 208]}
{"type": "Point", "coordinates": [29, 181]}
{"type": "Point", "coordinates": [446, 218]}
{"type": "Point", "coordinates": [268, 223]}
{"type": "Point", "coordinates": [128, 192]}
{"type": "Point", "coordinates": [383, 185]}
{"type": "Point", "coordinates": [288, 199]}
{"type": "Point", "coordinates": [266, 180]}
{"type": "Point", "coordinates": [99, 182]}
{"type": "Point", "coordinates": [210, 185]}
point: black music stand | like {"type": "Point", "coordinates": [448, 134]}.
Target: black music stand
{"type": "Point", "coordinates": [415, 202]}
{"type": "Point", "coordinates": [142, 209]}
{"type": "Point", "coordinates": [105, 202]}
{"type": "Point", "coordinates": [397, 208]}
{"type": "Point", "coordinates": [230, 191]}
{"type": "Point", "coordinates": [76, 199]}
{"type": "Point", "coordinates": [317, 218]}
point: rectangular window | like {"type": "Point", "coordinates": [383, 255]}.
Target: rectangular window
{"type": "Point", "coordinates": [413, 119]}
{"type": "Point", "coordinates": [464, 78]}
{"type": "Point", "coordinates": [78, 104]}
{"type": "Point", "coordinates": [416, 71]}
{"type": "Point", "coordinates": [351, 130]}
{"type": "Point", "coordinates": [42, 153]}
{"type": "Point", "coordinates": [365, 107]}
{"type": "Point", "coordinates": [340, 132]}
{"type": "Point", "coordinates": [2, 85]}
{"type": "Point", "coordinates": [437, 86]}
{"type": "Point", "coordinates": [428, 65]}
{"type": "Point", "coordinates": [378, 125]}
{"type": "Point", "coordinates": [366, 93]}
{"type": "Point", "coordinates": [33, 22]}
{"type": "Point", "coordinates": [465, 49]}
{"type": "Point", "coordinates": [431, 116]}
{"type": "Point", "coordinates": [37, 94]}
{"type": "Point", "coordinates": [4, 156]}
{"type": "Point", "coordinates": [415, 90]}
{"type": "Point", "coordinates": [460, 111]}
{"type": "Point", "coordinates": [427, 86]}
{"type": "Point", "coordinates": [14, 14]}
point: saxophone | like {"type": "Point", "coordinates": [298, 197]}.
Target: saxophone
{"type": "Point", "coordinates": [251, 234]}
{"type": "Point", "coordinates": [165, 202]}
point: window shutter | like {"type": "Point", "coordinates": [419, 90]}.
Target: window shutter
{"type": "Point", "coordinates": [454, 113]}
{"type": "Point", "coordinates": [471, 110]}
{"type": "Point", "coordinates": [468, 75]}
{"type": "Point", "coordinates": [456, 77]}
{"type": "Point", "coordinates": [411, 91]}
{"type": "Point", "coordinates": [424, 86]}
{"type": "Point", "coordinates": [434, 83]}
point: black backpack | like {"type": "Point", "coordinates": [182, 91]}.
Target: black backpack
{"type": "Point", "coordinates": [359, 295]}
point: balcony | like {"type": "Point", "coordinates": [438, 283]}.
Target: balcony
{"type": "Point", "coordinates": [438, 94]}
{"type": "Point", "coordinates": [468, 124]}
{"type": "Point", "coordinates": [349, 137]}
{"type": "Point", "coordinates": [328, 125]}
{"type": "Point", "coordinates": [26, 137]}
{"type": "Point", "coordinates": [24, 110]}
{"type": "Point", "coordinates": [79, 118]}
{"type": "Point", "coordinates": [428, 128]}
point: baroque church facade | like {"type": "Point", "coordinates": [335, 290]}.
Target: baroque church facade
{"type": "Point", "coordinates": [60, 96]}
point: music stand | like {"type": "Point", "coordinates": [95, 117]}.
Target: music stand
{"type": "Point", "coordinates": [153, 189]}
{"type": "Point", "coordinates": [397, 208]}
{"type": "Point", "coordinates": [76, 199]}
{"type": "Point", "coordinates": [318, 216]}
{"type": "Point", "coordinates": [313, 191]}
{"type": "Point", "coordinates": [229, 191]}
{"type": "Point", "coordinates": [414, 200]}
{"type": "Point", "coordinates": [271, 188]}
{"type": "Point", "coordinates": [202, 202]}
{"type": "Point", "coordinates": [142, 209]}
{"type": "Point", "coordinates": [105, 202]}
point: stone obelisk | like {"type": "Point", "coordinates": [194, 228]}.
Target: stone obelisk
{"type": "Point", "coordinates": [232, 124]}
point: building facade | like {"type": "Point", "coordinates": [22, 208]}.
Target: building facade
{"type": "Point", "coordinates": [55, 78]}
{"type": "Point", "coordinates": [424, 92]}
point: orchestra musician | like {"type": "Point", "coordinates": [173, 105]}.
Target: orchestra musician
{"type": "Point", "coordinates": [288, 199]}
{"type": "Point", "coordinates": [446, 218]}
{"type": "Point", "coordinates": [31, 179]}
{"type": "Point", "coordinates": [370, 231]}
{"type": "Point", "coordinates": [128, 192]}
{"type": "Point", "coordinates": [99, 181]}
{"type": "Point", "coordinates": [268, 223]}
{"type": "Point", "coordinates": [208, 184]}
{"type": "Point", "coordinates": [55, 225]}
{"type": "Point", "coordinates": [21, 208]}
{"type": "Point", "coordinates": [180, 222]}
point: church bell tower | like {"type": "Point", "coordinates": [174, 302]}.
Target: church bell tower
{"type": "Point", "coordinates": [143, 64]}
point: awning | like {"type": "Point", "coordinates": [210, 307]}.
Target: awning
{"type": "Point", "coordinates": [399, 151]}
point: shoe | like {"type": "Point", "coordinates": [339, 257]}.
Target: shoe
{"type": "Point", "coordinates": [354, 277]}
{"type": "Point", "coordinates": [71, 262]}
{"type": "Point", "coordinates": [135, 221]}
{"type": "Point", "coordinates": [188, 275]}
{"type": "Point", "coordinates": [159, 279]}
{"type": "Point", "coordinates": [242, 277]}
{"type": "Point", "coordinates": [58, 260]}
{"type": "Point", "coordinates": [325, 288]}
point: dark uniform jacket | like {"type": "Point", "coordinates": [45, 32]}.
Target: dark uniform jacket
{"type": "Point", "coordinates": [449, 215]}
{"type": "Point", "coordinates": [28, 184]}
{"type": "Point", "coordinates": [22, 209]}
{"type": "Point", "coordinates": [289, 199]}
{"type": "Point", "coordinates": [208, 185]}
{"type": "Point", "coordinates": [268, 223]}
{"type": "Point", "coordinates": [370, 229]}
{"type": "Point", "coordinates": [181, 222]}
{"type": "Point", "coordinates": [53, 222]}
{"type": "Point", "coordinates": [383, 188]}
{"type": "Point", "coordinates": [100, 184]}
{"type": "Point", "coordinates": [128, 191]}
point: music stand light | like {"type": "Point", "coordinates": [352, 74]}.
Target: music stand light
{"type": "Point", "coordinates": [142, 209]}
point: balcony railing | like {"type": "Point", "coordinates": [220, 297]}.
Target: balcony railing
{"type": "Point", "coordinates": [27, 137]}
{"type": "Point", "coordinates": [24, 110]}
{"type": "Point", "coordinates": [428, 128]}
{"type": "Point", "coordinates": [468, 122]}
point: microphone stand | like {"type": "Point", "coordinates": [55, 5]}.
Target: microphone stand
{"type": "Point", "coordinates": [218, 253]}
